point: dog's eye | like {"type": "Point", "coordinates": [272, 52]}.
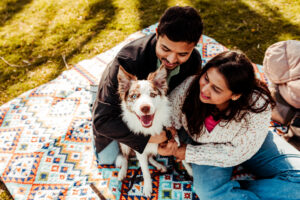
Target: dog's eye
{"type": "Point", "coordinates": [134, 96]}
{"type": "Point", "coordinates": [152, 94]}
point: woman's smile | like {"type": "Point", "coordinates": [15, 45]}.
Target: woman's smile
{"type": "Point", "coordinates": [203, 96]}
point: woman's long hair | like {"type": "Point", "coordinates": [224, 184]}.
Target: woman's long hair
{"type": "Point", "coordinates": [239, 74]}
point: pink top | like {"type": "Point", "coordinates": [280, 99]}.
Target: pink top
{"type": "Point", "coordinates": [210, 123]}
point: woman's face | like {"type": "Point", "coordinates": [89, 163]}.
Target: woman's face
{"type": "Point", "coordinates": [214, 89]}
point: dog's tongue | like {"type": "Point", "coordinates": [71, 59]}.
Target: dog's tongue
{"type": "Point", "coordinates": [147, 120]}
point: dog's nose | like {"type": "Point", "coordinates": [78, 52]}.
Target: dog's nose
{"type": "Point", "coordinates": [145, 108]}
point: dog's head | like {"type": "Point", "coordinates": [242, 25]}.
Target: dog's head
{"type": "Point", "coordinates": [143, 99]}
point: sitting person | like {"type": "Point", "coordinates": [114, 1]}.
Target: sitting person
{"type": "Point", "coordinates": [223, 115]}
{"type": "Point", "coordinates": [282, 67]}
{"type": "Point", "coordinates": [178, 32]}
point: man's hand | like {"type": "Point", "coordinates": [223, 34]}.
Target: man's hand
{"type": "Point", "coordinates": [167, 149]}
{"type": "Point", "coordinates": [162, 137]}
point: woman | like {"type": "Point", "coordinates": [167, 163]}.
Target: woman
{"type": "Point", "coordinates": [224, 115]}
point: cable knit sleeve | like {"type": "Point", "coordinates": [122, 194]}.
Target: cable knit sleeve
{"type": "Point", "coordinates": [234, 143]}
{"type": "Point", "coordinates": [177, 97]}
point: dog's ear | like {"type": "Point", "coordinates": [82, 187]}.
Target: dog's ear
{"type": "Point", "coordinates": [159, 78]}
{"type": "Point", "coordinates": [124, 80]}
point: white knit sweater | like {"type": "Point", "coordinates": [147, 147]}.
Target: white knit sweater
{"type": "Point", "coordinates": [226, 145]}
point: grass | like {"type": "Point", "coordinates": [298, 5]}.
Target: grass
{"type": "Point", "coordinates": [37, 37]}
{"type": "Point", "coordinates": [4, 194]}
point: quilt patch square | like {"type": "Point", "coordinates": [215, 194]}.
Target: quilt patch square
{"type": "Point", "coordinates": [22, 168]}
{"type": "Point", "coordinates": [48, 191]}
{"type": "Point", "coordinates": [9, 138]}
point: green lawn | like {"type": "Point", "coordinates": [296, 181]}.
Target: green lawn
{"type": "Point", "coordinates": [38, 37]}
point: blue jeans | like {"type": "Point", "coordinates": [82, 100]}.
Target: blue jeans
{"type": "Point", "coordinates": [277, 165]}
{"type": "Point", "coordinates": [109, 154]}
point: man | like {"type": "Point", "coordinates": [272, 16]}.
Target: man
{"type": "Point", "coordinates": [173, 45]}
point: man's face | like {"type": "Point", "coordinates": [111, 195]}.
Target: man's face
{"type": "Point", "coordinates": [172, 54]}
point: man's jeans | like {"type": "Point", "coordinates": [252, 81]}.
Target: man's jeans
{"type": "Point", "coordinates": [276, 164]}
{"type": "Point", "coordinates": [109, 154]}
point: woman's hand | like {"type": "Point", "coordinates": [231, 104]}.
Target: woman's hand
{"type": "Point", "coordinates": [180, 153]}
{"type": "Point", "coordinates": [167, 149]}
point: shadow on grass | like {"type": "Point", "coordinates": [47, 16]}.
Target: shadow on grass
{"type": "Point", "coordinates": [106, 8]}
{"type": "Point", "coordinates": [10, 9]}
{"type": "Point", "coordinates": [234, 24]}
{"type": "Point", "coordinates": [109, 10]}
{"type": "Point", "coordinates": [147, 16]}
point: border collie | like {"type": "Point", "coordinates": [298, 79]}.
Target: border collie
{"type": "Point", "coordinates": [146, 110]}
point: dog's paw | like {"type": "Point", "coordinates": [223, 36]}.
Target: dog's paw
{"type": "Point", "coordinates": [119, 162]}
{"type": "Point", "coordinates": [161, 168]}
{"type": "Point", "coordinates": [147, 188]}
{"type": "Point", "coordinates": [122, 174]}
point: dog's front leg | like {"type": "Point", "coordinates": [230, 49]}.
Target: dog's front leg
{"type": "Point", "coordinates": [157, 165]}
{"type": "Point", "coordinates": [143, 159]}
{"type": "Point", "coordinates": [122, 161]}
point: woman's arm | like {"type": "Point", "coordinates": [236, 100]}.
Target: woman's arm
{"type": "Point", "coordinates": [177, 97]}
{"type": "Point", "coordinates": [242, 147]}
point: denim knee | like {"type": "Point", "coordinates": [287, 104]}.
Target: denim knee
{"type": "Point", "coordinates": [109, 154]}
{"type": "Point", "coordinates": [210, 180]}
{"type": "Point", "coordinates": [214, 183]}
{"type": "Point", "coordinates": [229, 191]}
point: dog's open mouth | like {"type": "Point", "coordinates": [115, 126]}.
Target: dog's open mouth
{"type": "Point", "coordinates": [146, 120]}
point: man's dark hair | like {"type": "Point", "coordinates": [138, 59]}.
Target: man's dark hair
{"type": "Point", "coordinates": [181, 24]}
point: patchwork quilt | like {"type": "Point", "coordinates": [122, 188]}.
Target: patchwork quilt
{"type": "Point", "coordinates": [46, 151]}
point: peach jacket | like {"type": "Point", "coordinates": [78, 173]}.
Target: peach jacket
{"type": "Point", "coordinates": [226, 145]}
{"type": "Point", "coordinates": [282, 67]}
